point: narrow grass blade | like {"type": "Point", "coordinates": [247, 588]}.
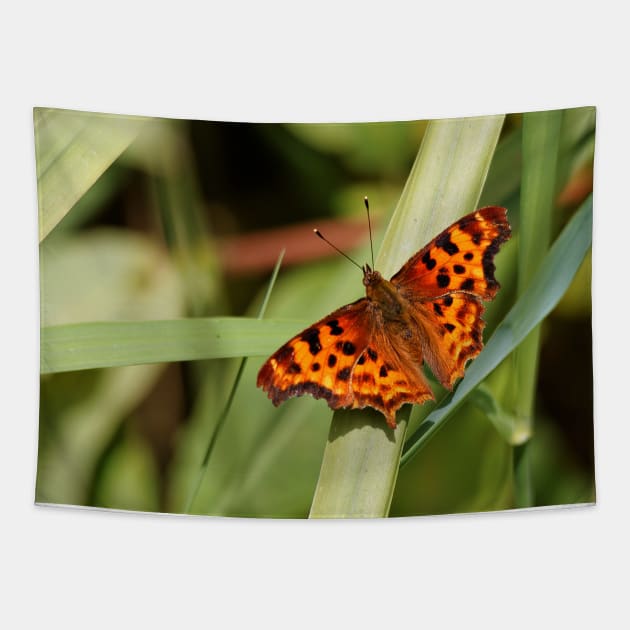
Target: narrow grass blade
{"type": "Point", "coordinates": [362, 456]}
{"type": "Point", "coordinates": [541, 137]}
{"type": "Point", "coordinates": [164, 150]}
{"type": "Point", "coordinates": [544, 291]}
{"type": "Point", "coordinates": [228, 405]}
{"type": "Point", "coordinates": [504, 176]}
{"type": "Point", "coordinates": [91, 345]}
{"type": "Point", "coordinates": [73, 149]}
{"type": "Point", "coordinates": [541, 142]}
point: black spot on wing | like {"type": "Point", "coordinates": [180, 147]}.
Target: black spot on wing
{"type": "Point", "coordinates": [348, 348]}
{"type": "Point", "coordinates": [487, 261]}
{"type": "Point", "coordinates": [429, 262]}
{"type": "Point", "coordinates": [335, 328]}
{"type": "Point", "coordinates": [467, 284]}
{"type": "Point", "coordinates": [466, 221]}
{"type": "Point", "coordinates": [444, 242]}
{"type": "Point", "coordinates": [284, 354]}
{"type": "Point", "coordinates": [343, 375]}
{"type": "Point", "coordinates": [311, 336]}
{"type": "Point", "coordinates": [443, 280]}
{"type": "Point", "coordinates": [332, 360]}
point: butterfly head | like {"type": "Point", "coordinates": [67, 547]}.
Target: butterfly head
{"type": "Point", "coordinates": [370, 277]}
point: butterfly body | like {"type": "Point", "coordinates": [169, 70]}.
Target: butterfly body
{"type": "Point", "coordinates": [384, 295]}
{"type": "Point", "coordinates": [370, 352]}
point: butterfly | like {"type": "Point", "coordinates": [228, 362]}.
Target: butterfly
{"type": "Point", "coordinates": [371, 352]}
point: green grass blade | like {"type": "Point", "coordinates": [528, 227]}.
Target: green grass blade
{"type": "Point", "coordinates": [541, 142]}
{"type": "Point", "coordinates": [107, 344]}
{"type": "Point", "coordinates": [545, 290]}
{"type": "Point", "coordinates": [73, 149]}
{"type": "Point", "coordinates": [504, 176]}
{"type": "Point", "coordinates": [362, 456]}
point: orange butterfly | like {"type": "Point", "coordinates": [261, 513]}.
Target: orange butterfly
{"type": "Point", "coordinates": [370, 352]}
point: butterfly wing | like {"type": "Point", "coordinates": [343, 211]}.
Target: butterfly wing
{"type": "Point", "coordinates": [451, 330]}
{"type": "Point", "coordinates": [445, 284]}
{"type": "Point", "coordinates": [319, 360]}
{"type": "Point", "coordinates": [458, 259]}
{"type": "Point", "coordinates": [388, 373]}
{"type": "Point", "coordinates": [350, 359]}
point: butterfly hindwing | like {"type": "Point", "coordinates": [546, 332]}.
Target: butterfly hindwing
{"type": "Point", "coordinates": [452, 328]}
{"type": "Point", "coordinates": [387, 375]}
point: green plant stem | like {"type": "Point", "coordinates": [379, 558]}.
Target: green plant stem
{"type": "Point", "coordinates": [522, 473]}
{"type": "Point", "coordinates": [362, 455]}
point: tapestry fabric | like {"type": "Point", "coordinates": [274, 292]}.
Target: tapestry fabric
{"type": "Point", "coordinates": [343, 320]}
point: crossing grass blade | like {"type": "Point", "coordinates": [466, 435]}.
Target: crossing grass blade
{"type": "Point", "coordinates": [107, 344]}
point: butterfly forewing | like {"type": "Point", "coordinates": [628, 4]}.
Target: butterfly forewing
{"type": "Point", "coordinates": [319, 360]}
{"type": "Point", "coordinates": [458, 259]}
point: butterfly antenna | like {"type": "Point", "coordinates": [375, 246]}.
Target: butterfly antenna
{"type": "Point", "coordinates": [354, 262]}
{"type": "Point", "coordinates": [367, 208]}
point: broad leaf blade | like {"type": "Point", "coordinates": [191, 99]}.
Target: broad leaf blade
{"type": "Point", "coordinates": [73, 149]}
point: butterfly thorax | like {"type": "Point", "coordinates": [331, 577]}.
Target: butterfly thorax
{"type": "Point", "coordinates": [384, 294]}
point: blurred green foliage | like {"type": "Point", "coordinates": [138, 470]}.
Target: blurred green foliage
{"type": "Point", "coordinates": [142, 238]}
